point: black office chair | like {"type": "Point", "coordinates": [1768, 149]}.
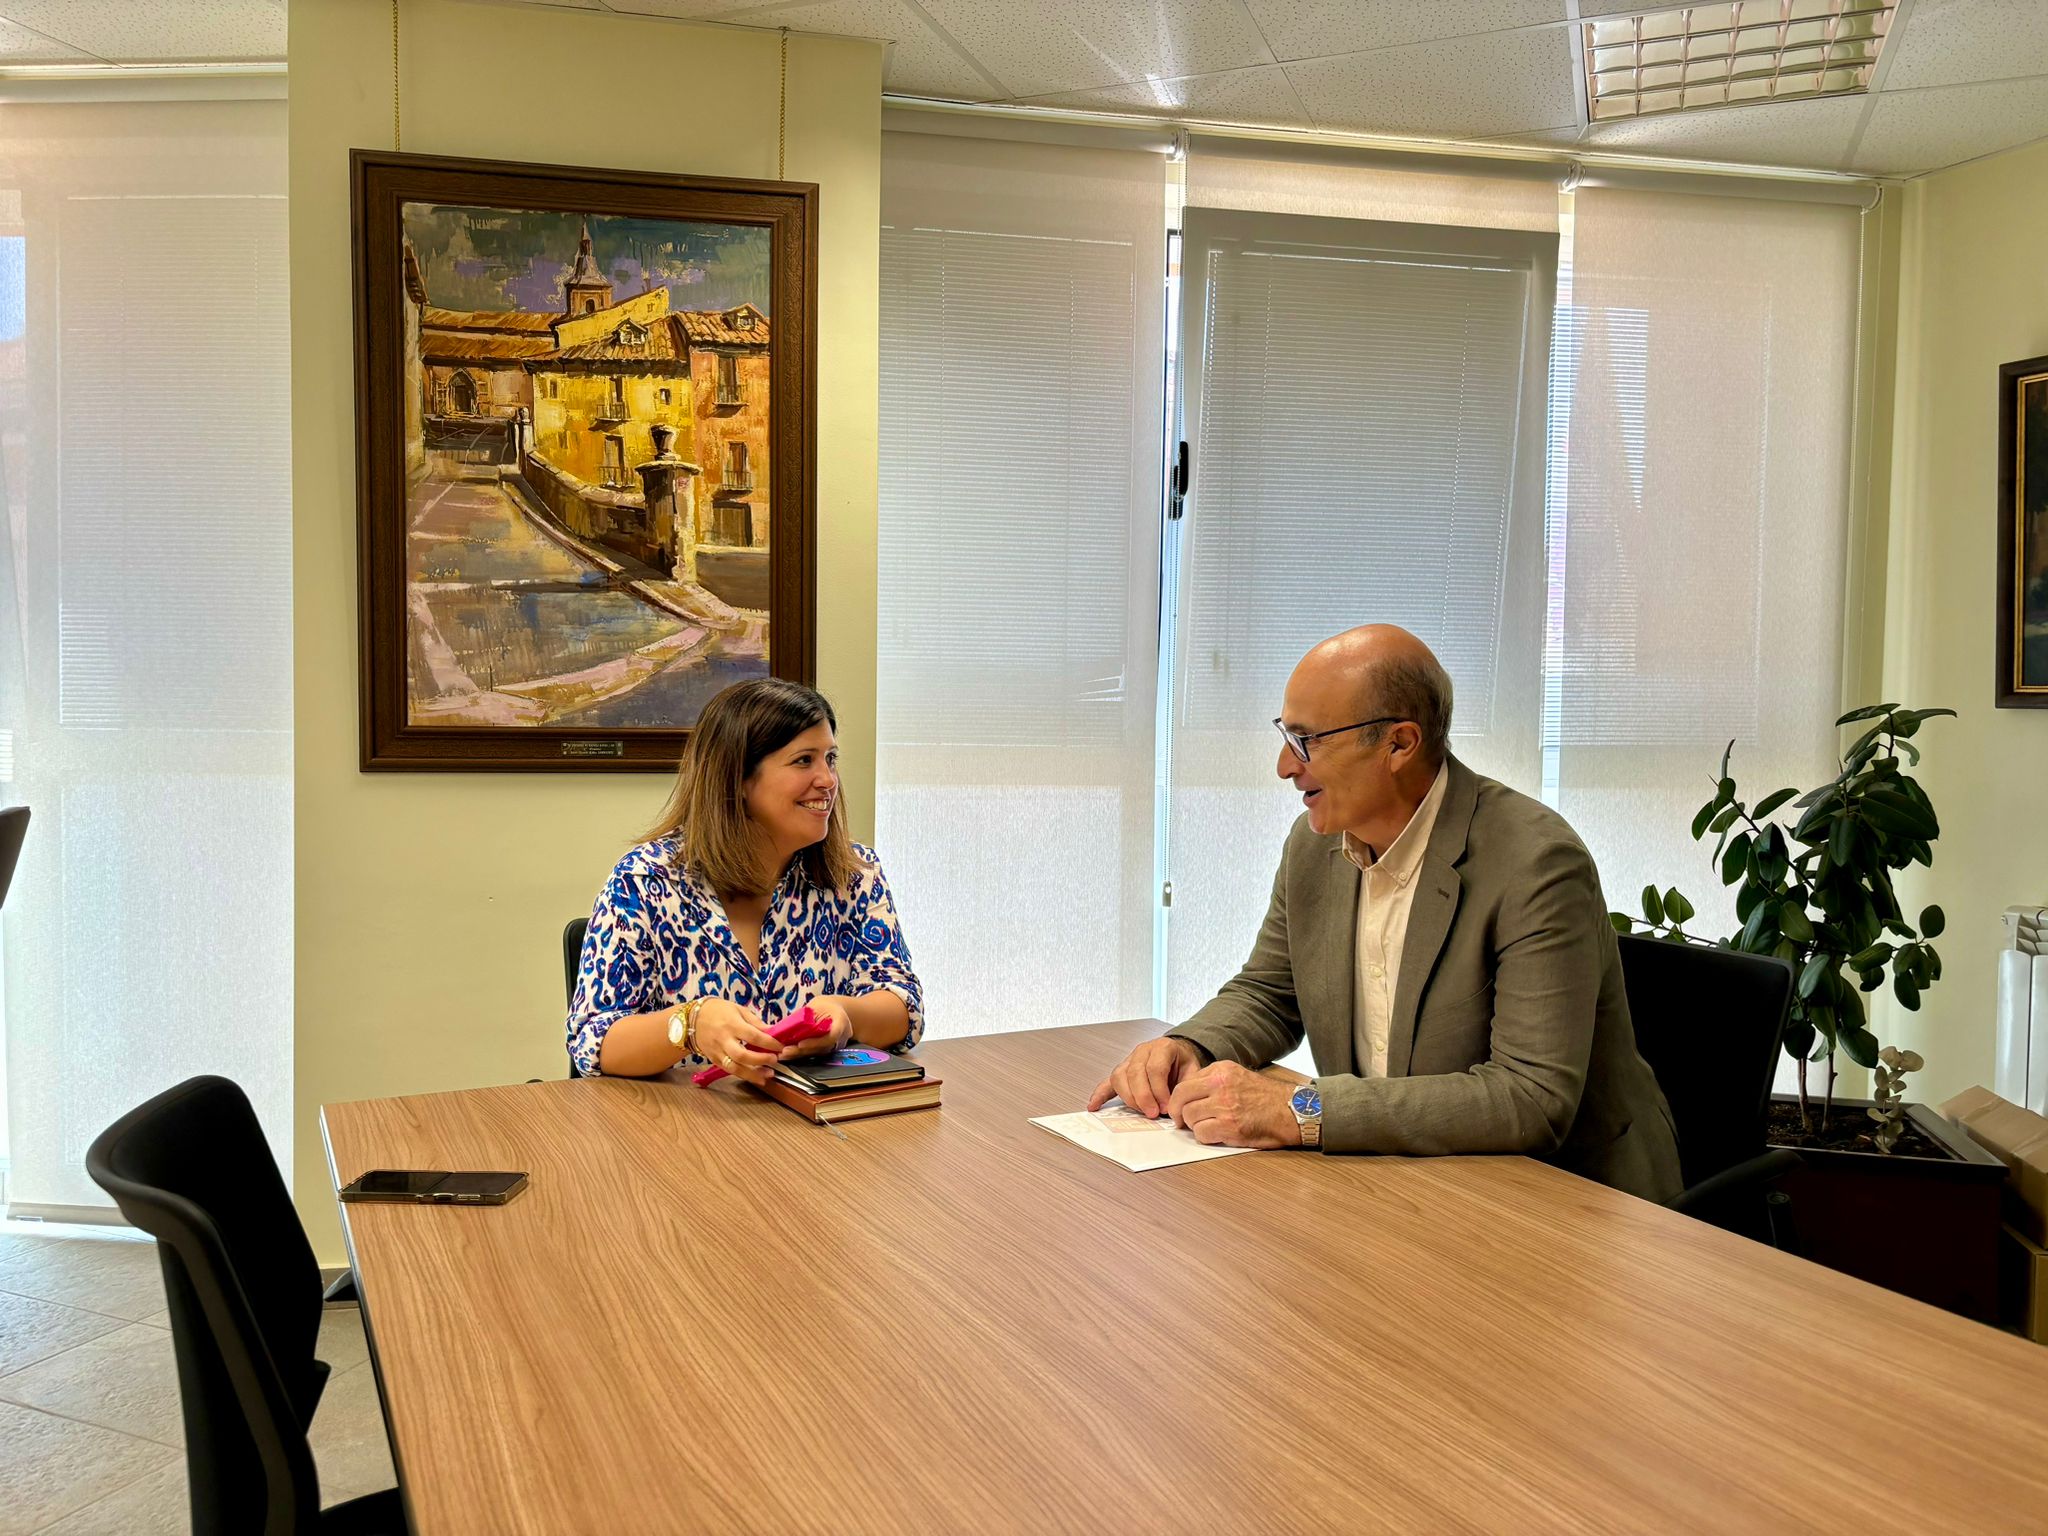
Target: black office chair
{"type": "Point", "coordinates": [13, 828]}
{"type": "Point", "coordinates": [191, 1168]}
{"type": "Point", "coordinates": [572, 956]}
{"type": "Point", "coordinates": [1710, 1022]}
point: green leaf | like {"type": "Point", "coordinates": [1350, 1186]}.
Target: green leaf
{"type": "Point", "coordinates": [1842, 838]}
{"type": "Point", "coordinates": [1875, 954]}
{"type": "Point", "coordinates": [1746, 901]}
{"type": "Point", "coordinates": [1794, 924]}
{"type": "Point", "coordinates": [1798, 1038]}
{"type": "Point", "coordinates": [1816, 971]}
{"type": "Point", "coordinates": [1932, 922]}
{"type": "Point", "coordinates": [1912, 753]}
{"type": "Point", "coordinates": [1899, 814]}
{"type": "Point", "coordinates": [1771, 802]}
{"type": "Point", "coordinates": [1867, 712]}
{"type": "Point", "coordinates": [1734, 859]}
{"type": "Point", "coordinates": [1908, 994]}
{"type": "Point", "coordinates": [1621, 922]}
{"type": "Point", "coordinates": [1727, 753]}
{"type": "Point", "coordinates": [1726, 819]}
{"type": "Point", "coordinates": [1806, 829]}
{"type": "Point", "coordinates": [1850, 1005]}
{"type": "Point", "coordinates": [1759, 934]}
{"type": "Point", "coordinates": [1653, 906]}
{"type": "Point", "coordinates": [1699, 822]}
{"type": "Point", "coordinates": [1676, 907]}
{"type": "Point", "coordinates": [1859, 1042]}
{"type": "Point", "coordinates": [1867, 740]}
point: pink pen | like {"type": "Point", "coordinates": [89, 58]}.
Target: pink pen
{"type": "Point", "coordinates": [804, 1024]}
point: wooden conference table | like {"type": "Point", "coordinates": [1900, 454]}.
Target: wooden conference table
{"type": "Point", "coordinates": [708, 1315]}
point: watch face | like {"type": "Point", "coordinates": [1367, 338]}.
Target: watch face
{"type": "Point", "coordinates": [1307, 1101]}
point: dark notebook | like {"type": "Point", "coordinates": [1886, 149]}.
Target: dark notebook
{"type": "Point", "coordinates": [857, 1066]}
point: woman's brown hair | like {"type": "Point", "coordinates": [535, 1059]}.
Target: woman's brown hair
{"type": "Point", "coordinates": [718, 842]}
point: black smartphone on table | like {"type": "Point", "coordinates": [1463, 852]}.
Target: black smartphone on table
{"type": "Point", "coordinates": [434, 1186]}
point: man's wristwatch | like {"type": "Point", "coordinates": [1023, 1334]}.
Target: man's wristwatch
{"type": "Point", "coordinates": [1307, 1105]}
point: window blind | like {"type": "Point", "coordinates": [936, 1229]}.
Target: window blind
{"type": "Point", "coordinates": [1023, 288]}
{"type": "Point", "coordinates": [1700, 443]}
{"type": "Point", "coordinates": [1365, 403]}
{"type": "Point", "coordinates": [147, 623]}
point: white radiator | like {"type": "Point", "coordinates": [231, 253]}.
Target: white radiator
{"type": "Point", "coordinates": [2023, 1009]}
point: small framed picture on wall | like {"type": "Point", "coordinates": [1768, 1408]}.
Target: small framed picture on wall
{"type": "Point", "coordinates": [2022, 605]}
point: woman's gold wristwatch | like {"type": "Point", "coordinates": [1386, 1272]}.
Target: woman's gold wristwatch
{"type": "Point", "coordinates": [682, 1027]}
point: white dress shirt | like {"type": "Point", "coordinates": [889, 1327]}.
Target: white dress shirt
{"type": "Point", "coordinates": [1385, 893]}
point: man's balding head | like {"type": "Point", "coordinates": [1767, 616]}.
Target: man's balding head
{"type": "Point", "coordinates": [1389, 672]}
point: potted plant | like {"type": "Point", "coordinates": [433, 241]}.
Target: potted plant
{"type": "Point", "coordinates": [1887, 1190]}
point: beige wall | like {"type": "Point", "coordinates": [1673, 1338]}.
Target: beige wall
{"type": "Point", "coordinates": [1973, 293]}
{"type": "Point", "coordinates": [430, 905]}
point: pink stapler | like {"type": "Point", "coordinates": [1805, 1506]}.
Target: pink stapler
{"type": "Point", "coordinates": [804, 1024]}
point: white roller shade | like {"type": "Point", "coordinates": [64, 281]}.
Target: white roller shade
{"type": "Point", "coordinates": [147, 624]}
{"type": "Point", "coordinates": [1704, 392]}
{"type": "Point", "coordinates": [1022, 296]}
{"type": "Point", "coordinates": [1365, 405]}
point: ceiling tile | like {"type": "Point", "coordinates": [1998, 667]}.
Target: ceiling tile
{"type": "Point", "coordinates": [1311, 29]}
{"type": "Point", "coordinates": [920, 62]}
{"type": "Point", "coordinates": [18, 45]}
{"type": "Point", "coordinates": [1913, 131]}
{"type": "Point", "coordinates": [1948, 42]}
{"type": "Point", "coordinates": [1813, 135]}
{"type": "Point", "coordinates": [1506, 82]}
{"type": "Point", "coordinates": [1076, 45]}
{"type": "Point", "coordinates": [158, 31]}
{"type": "Point", "coordinates": [1260, 95]}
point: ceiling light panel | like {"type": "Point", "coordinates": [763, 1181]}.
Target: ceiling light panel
{"type": "Point", "coordinates": [1730, 55]}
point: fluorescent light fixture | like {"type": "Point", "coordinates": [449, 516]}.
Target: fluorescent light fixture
{"type": "Point", "coordinates": [1730, 55]}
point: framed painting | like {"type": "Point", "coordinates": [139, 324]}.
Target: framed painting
{"type": "Point", "coordinates": [585, 456]}
{"type": "Point", "coordinates": [2023, 534]}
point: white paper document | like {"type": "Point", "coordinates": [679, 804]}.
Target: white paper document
{"type": "Point", "coordinates": [1124, 1136]}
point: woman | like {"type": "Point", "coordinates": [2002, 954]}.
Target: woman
{"type": "Point", "coordinates": [746, 902]}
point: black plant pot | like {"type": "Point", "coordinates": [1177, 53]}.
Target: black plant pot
{"type": "Point", "coordinates": [1926, 1227]}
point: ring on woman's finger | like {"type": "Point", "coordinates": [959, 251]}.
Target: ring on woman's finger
{"type": "Point", "coordinates": [725, 1062]}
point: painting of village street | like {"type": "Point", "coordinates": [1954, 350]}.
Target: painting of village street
{"type": "Point", "coordinates": [586, 465]}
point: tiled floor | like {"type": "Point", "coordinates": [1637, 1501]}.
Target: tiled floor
{"type": "Point", "coordinates": [90, 1438]}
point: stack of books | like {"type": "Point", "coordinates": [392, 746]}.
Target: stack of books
{"type": "Point", "coordinates": [851, 1084]}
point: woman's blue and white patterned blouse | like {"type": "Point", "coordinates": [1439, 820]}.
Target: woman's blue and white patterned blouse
{"type": "Point", "coordinates": [658, 936]}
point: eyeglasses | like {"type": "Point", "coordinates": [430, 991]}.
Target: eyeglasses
{"type": "Point", "coordinates": [1297, 742]}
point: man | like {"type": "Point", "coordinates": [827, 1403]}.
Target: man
{"type": "Point", "coordinates": [1441, 939]}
